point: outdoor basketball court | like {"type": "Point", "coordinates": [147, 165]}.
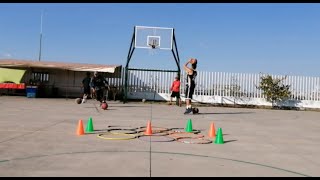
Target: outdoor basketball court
{"type": "Point", "coordinates": [38, 138]}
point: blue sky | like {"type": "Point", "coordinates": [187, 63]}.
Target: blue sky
{"type": "Point", "coordinates": [249, 38]}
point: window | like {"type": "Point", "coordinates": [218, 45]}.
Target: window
{"type": "Point", "coordinates": [40, 76]}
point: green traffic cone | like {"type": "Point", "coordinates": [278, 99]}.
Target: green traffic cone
{"type": "Point", "coordinates": [89, 127]}
{"type": "Point", "coordinates": [219, 137]}
{"type": "Point", "coordinates": [189, 126]}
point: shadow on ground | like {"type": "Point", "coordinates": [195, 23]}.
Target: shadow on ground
{"type": "Point", "coordinates": [229, 113]}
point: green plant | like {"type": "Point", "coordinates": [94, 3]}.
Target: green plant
{"type": "Point", "coordinates": [273, 89]}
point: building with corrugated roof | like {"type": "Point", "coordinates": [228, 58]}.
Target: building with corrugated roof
{"type": "Point", "coordinates": [52, 79]}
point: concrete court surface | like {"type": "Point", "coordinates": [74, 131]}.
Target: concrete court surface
{"type": "Point", "coordinates": [38, 138]}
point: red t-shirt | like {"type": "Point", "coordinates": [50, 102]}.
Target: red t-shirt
{"type": "Point", "coordinates": [175, 86]}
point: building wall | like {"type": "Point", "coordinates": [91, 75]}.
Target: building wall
{"type": "Point", "coordinates": [62, 83]}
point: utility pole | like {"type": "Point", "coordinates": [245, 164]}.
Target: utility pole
{"type": "Point", "coordinates": [40, 36]}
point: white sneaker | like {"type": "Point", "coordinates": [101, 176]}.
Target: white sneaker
{"type": "Point", "coordinates": [83, 101]}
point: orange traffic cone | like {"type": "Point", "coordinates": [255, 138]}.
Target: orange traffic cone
{"type": "Point", "coordinates": [212, 131]}
{"type": "Point", "coordinates": [149, 129]}
{"type": "Point", "coordinates": [80, 130]}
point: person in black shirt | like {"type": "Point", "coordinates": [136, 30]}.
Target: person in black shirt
{"type": "Point", "coordinates": [86, 87]}
{"type": "Point", "coordinates": [99, 85]}
{"type": "Point", "coordinates": [190, 82]}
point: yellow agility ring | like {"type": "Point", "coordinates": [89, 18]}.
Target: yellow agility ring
{"type": "Point", "coordinates": [116, 136]}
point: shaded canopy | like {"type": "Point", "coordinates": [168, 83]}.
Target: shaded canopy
{"type": "Point", "coordinates": [11, 75]}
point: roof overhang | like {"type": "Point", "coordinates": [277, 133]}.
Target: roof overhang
{"type": "Point", "coordinates": [58, 65]}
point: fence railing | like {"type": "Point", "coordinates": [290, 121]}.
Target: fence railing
{"type": "Point", "coordinates": [218, 84]}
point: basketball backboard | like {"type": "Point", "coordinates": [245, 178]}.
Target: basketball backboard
{"type": "Point", "coordinates": [153, 37]}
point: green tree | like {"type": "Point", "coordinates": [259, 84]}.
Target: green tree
{"type": "Point", "coordinates": [274, 89]}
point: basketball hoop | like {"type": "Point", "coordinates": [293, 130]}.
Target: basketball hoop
{"type": "Point", "coordinates": [153, 49]}
{"type": "Point", "coordinates": [153, 46]}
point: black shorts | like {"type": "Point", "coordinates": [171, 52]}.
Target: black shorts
{"type": "Point", "coordinates": [189, 91]}
{"type": "Point", "coordinates": [86, 90]}
{"type": "Point", "coordinates": [175, 94]}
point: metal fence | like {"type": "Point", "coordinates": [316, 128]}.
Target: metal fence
{"type": "Point", "coordinates": [218, 84]}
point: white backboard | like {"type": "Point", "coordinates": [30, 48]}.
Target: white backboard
{"type": "Point", "coordinates": [146, 35]}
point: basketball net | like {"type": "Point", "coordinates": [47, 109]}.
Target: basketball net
{"type": "Point", "coordinates": [153, 45]}
{"type": "Point", "coordinates": [153, 51]}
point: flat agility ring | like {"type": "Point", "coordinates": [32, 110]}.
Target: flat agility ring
{"type": "Point", "coordinates": [121, 128]}
{"type": "Point", "coordinates": [122, 131]}
{"type": "Point", "coordinates": [178, 135]}
{"type": "Point", "coordinates": [155, 134]}
{"type": "Point", "coordinates": [154, 129]}
{"type": "Point", "coordinates": [174, 130]}
{"type": "Point", "coordinates": [128, 136]}
{"type": "Point", "coordinates": [156, 138]}
{"type": "Point", "coordinates": [194, 140]}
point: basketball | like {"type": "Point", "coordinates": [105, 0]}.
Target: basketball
{"type": "Point", "coordinates": [78, 100]}
{"type": "Point", "coordinates": [104, 106]}
{"type": "Point", "coordinates": [195, 110]}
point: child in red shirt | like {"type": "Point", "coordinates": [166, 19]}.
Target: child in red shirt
{"type": "Point", "coordinates": [175, 90]}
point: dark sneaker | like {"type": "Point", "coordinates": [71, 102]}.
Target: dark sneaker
{"type": "Point", "coordinates": [189, 110]}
